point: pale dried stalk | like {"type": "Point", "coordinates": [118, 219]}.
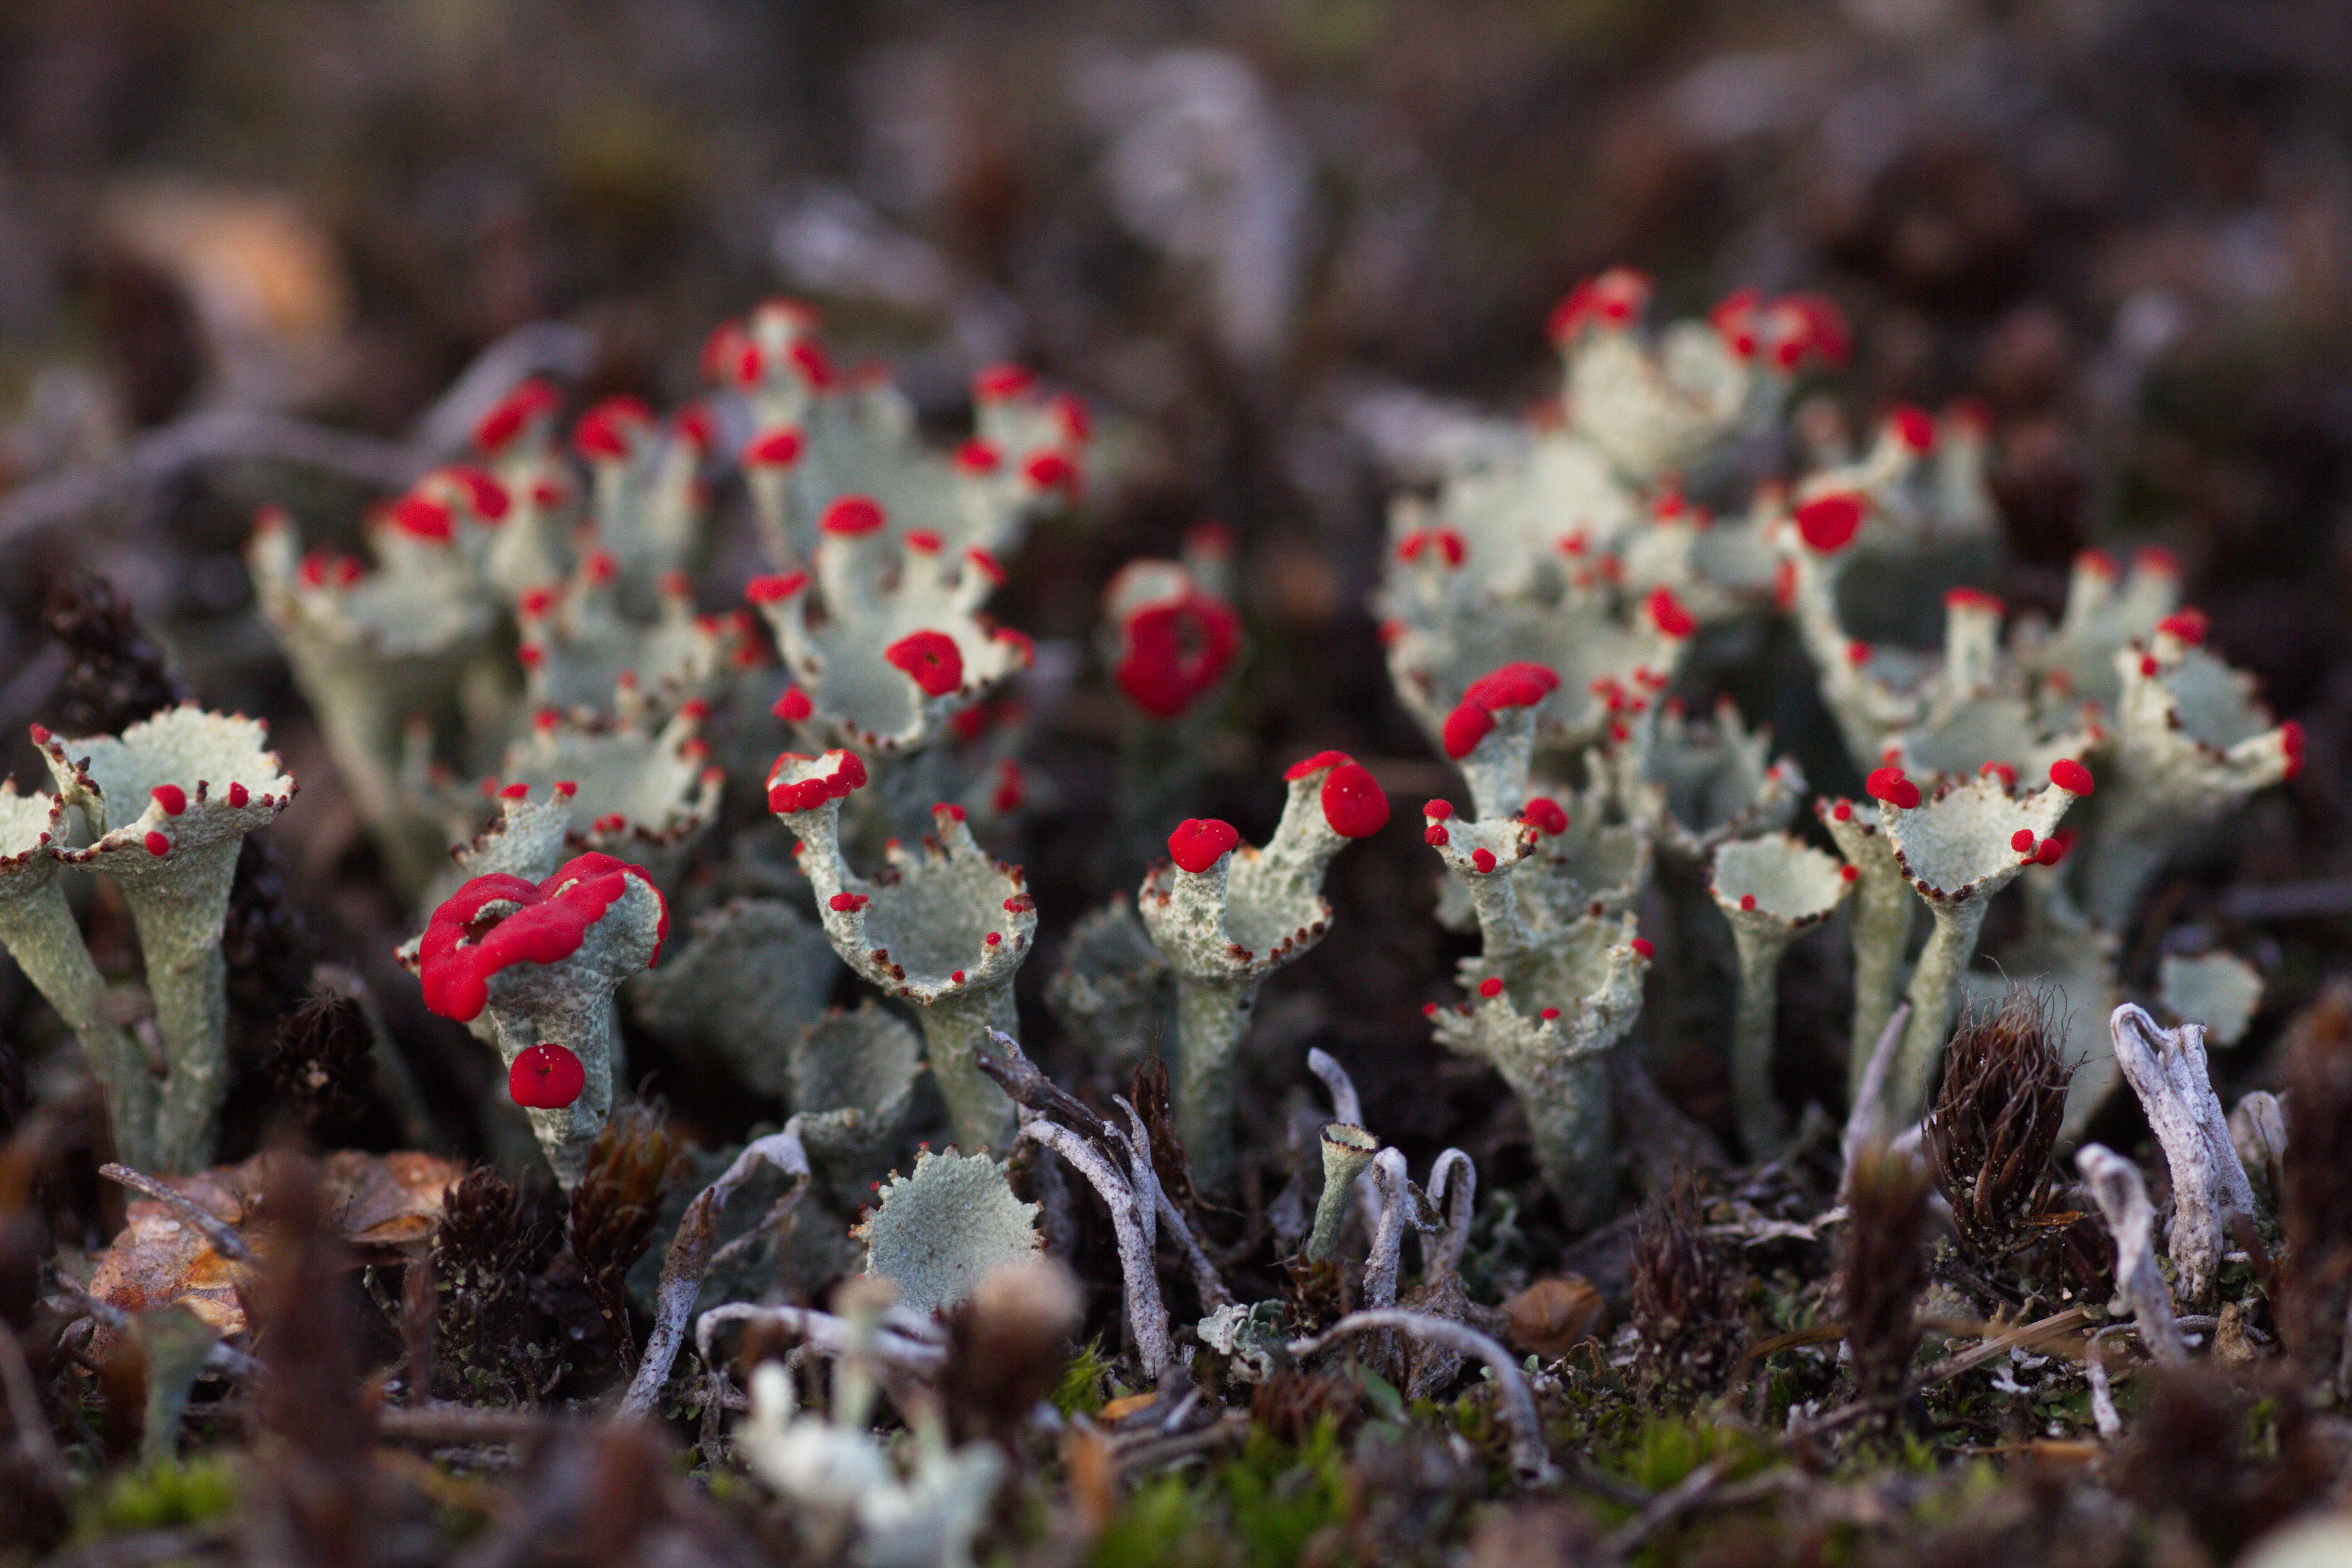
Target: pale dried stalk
{"type": "Point", "coordinates": [690, 1259]}
{"type": "Point", "coordinates": [2121, 1198]}
{"type": "Point", "coordinates": [1131, 1218]}
{"type": "Point", "coordinates": [2166, 1067]}
{"type": "Point", "coordinates": [1380, 1269]}
{"type": "Point", "coordinates": [1529, 1457]}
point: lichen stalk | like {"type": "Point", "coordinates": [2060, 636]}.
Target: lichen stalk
{"type": "Point", "coordinates": [955, 1028]}
{"type": "Point", "coordinates": [1346, 1150]}
{"type": "Point", "coordinates": [180, 920]}
{"type": "Point", "coordinates": [1769, 889]}
{"type": "Point", "coordinates": [1957, 851]}
{"type": "Point", "coordinates": [1762, 1127]}
{"type": "Point", "coordinates": [170, 799]}
{"type": "Point", "coordinates": [1558, 1067]}
{"type": "Point", "coordinates": [38, 930]}
{"type": "Point", "coordinates": [1226, 915]}
{"type": "Point", "coordinates": [1885, 909]}
{"type": "Point", "coordinates": [946, 928]}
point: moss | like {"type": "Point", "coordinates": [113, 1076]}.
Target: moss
{"type": "Point", "coordinates": [1166, 1521]}
{"type": "Point", "coordinates": [165, 1496]}
{"type": "Point", "coordinates": [1281, 1497]}
{"type": "Point", "coordinates": [1666, 1449]}
{"type": "Point", "coordinates": [1083, 1381]}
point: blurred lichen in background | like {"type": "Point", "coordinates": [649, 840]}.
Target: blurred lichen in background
{"type": "Point", "coordinates": [835, 580]}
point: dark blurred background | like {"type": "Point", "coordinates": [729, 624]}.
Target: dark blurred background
{"type": "Point", "coordinates": [1259, 237]}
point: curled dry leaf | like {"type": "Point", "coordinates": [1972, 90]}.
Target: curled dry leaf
{"type": "Point", "coordinates": [1550, 1317]}
{"type": "Point", "coordinates": [373, 1202]}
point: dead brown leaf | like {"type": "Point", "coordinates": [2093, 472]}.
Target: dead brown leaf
{"type": "Point", "coordinates": [1551, 1316]}
{"type": "Point", "coordinates": [373, 1202]}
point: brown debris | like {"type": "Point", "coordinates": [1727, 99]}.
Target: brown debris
{"type": "Point", "coordinates": [1685, 1295]}
{"type": "Point", "coordinates": [2315, 1210]}
{"type": "Point", "coordinates": [1882, 1267]}
{"type": "Point", "coordinates": [115, 675]}
{"type": "Point", "coordinates": [1550, 1317]}
{"type": "Point", "coordinates": [376, 1202]}
{"type": "Point", "coordinates": [317, 1495]}
{"type": "Point", "coordinates": [2188, 1456]}
{"type": "Point", "coordinates": [1007, 1345]}
{"type": "Point", "coordinates": [489, 1335]}
{"type": "Point", "coordinates": [633, 1161]}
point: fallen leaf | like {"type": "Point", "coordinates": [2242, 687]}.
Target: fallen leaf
{"type": "Point", "coordinates": [1551, 1316]}
{"type": "Point", "coordinates": [1120, 1409]}
{"type": "Point", "coordinates": [374, 1202]}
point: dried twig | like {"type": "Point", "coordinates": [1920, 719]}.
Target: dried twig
{"type": "Point", "coordinates": [1865, 1124]}
{"type": "Point", "coordinates": [214, 434]}
{"type": "Point", "coordinates": [2166, 1067]}
{"type": "Point", "coordinates": [2121, 1197]}
{"type": "Point", "coordinates": [1529, 1457]}
{"type": "Point", "coordinates": [1381, 1269]}
{"type": "Point", "coordinates": [889, 1344]}
{"type": "Point", "coordinates": [216, 1230]}
{"type": "Point", "coordinates": [1664, 1509]}
{"type": "Point", "coordinates": [1132, 1217]}
{"type": "Point", "coordinates": [690, 1258]}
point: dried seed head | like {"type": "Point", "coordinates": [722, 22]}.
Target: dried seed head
{"type": "Point", "coordinates": [115, 674]}
{"type": "Point", "coordinates": [1882, 1266]}
{"type": "Point", "coordinates": [1996, 1121]}
{"type": "Point", "coordinates": [492, 1338]}
{"type": "Point", "coordinates": [320, 1060]}
{"type": "Point", "coordinates": [1685, 1295]}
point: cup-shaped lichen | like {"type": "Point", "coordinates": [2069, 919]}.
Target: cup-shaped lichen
{"type": "Point", "coordinates": [1769, 888]}
{"type": "Point", "coordinates": [944, 927]}
{"type": "Point", "coordinates": [645, 497]}
{"type": "Point", "coordinates": [1884, 909]}
{"type": "Point", "coordinates": [2192, 741]}
{"type": "Point", "coordinates": [39, 934]}
{"type": "Point", "coordinates": [1445, 635]}
{"type": "Point", "coordinates": [583, 656]}
{"type": "Point", "coordinates": [1957, 851]}
{"type": "Point", "coordinates": [1695, 784]}
{"type": "Point", "coordinates": [1554, 1053]}
{"type": "Point", "coordinates": [886, 642]}
{"type": "Point", "coordinates": [167, 802]}
{"type": "Point", "coordinates": [1346, 1150]}
{"type": "Point", "coordinates": [543, 960]}
{"type": "Point", "coordinates": [640, 794]}
{"type": "Point", "coordinates": [817, 437]}
{"type": "Point", "coordinates": [1226, 915]}
{"type": "Point", "coordinates": [370, 650]}
{"type": "Point", "coordinates": [2108, 610]}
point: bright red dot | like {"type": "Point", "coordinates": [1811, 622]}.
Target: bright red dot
{"type": "Point", "coordinates": [2072, 776]}
{"type": "Point", "coordinates": [546, 1077]}
{"type": "Point", "coordinates": [1200, 843]}
{"type": "Point", "coordinates": [1889, 785]}
{"type": "Point", "coordinates": [1828, 523]}
{"type": "Point", "coordinates": [1353, 803]}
